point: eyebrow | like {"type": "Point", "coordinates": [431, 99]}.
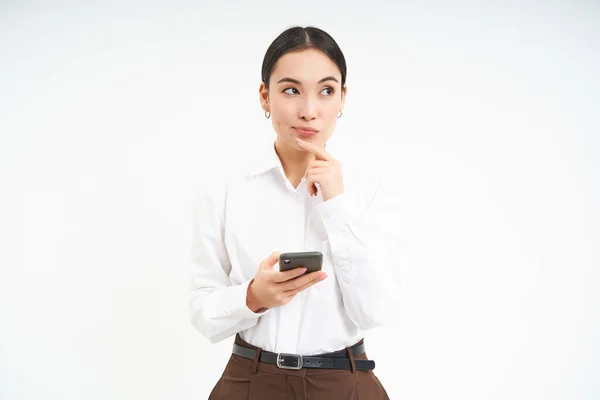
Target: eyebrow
{"type": "Point", "coordinates": [297, 82]}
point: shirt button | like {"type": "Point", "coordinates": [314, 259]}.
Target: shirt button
{"type": "Point", "coordinates": [325, 216]}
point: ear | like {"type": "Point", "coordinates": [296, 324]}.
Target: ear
{"type": "Point", "coordinates": [264, 96]}
{"type": "Point", "coordinates": [344, 90]}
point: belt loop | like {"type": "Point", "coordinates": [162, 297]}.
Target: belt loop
{"type": "Point", "coordinates": [351, 356]}
{"type": "Point", "coordinates": [255, 361]}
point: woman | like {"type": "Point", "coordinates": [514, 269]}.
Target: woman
{"type": "Point", "coordinates": [297, 335]}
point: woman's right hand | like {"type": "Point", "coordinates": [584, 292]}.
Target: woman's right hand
{"type": "Point", "coordinates": [271, 288]}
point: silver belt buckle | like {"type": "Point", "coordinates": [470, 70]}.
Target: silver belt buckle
{"type": "Point", "coordinates": [281, 361]}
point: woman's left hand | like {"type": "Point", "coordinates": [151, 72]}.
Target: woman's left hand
{"type": "Point", "coordinates": [324, 170]}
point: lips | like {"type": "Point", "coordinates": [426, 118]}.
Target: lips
{"type": "Point", "coordinates": [305, 131]}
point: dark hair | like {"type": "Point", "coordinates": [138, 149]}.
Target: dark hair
{"type": "Point", "coordinates": [298, 38]}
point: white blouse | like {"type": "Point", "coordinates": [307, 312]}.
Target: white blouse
{"type": "Point", "coordinates": [240, 220]}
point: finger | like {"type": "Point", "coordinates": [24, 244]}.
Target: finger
{"type": "Point", "coordinates": [303, 280]}
{"type": "Point", "coordinates": [270, 261]}
{"type": "Point", "coordinates": [315, 166]}
{"type": "Point", "coordinates": [312, 187]}
{"type": "Point", "coordinates": [305, 286]}
{"type": "Point", "coordinates": [316, 178]}
{"type": "Point", "coordinates": [287, 275]}
{"type": "Point", "coordinates": [317, 170]}
{"type": "Point", "coordinates": [319, 152]}
{"type": "Point", "coordinates": [318, 163]}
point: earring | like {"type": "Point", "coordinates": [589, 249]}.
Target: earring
{"type": "Point", "coordinates": [340, 114]}
{"type": "Point", "coordinates": [269, 114]}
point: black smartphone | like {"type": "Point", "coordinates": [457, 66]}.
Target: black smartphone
{"type": "Point", "coordinates": [311, 260]}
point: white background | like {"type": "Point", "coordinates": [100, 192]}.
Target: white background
{"type": "Point", "coordinates": [485, 115]}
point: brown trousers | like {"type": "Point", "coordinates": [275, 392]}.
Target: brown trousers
{"type": "Point", "coordinates": [252, 380]}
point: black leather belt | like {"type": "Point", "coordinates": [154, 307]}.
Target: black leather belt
{"type": "Point", "coordinates": [336, 360]}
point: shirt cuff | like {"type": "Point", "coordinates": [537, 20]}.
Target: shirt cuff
{"type": "Point", "coordinates": [335, 213]}
{"type": "Point", "coordinates": [237, 303]}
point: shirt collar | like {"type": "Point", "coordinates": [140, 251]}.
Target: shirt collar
{"type": "Point", "coordinates": [265, 162]}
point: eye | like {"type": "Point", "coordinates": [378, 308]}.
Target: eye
{"type": "Point", "coordinates": [329, 89]}
{"type": "Point", "coordinates": [290, 88]}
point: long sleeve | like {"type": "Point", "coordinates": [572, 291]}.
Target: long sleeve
{"type": "Point", "coordinates": [217, 308]}
{"type": "Point", "coordinates": [362, 245]}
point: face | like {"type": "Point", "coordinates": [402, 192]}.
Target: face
{"type": "Point", "coordinates": [304, 97]}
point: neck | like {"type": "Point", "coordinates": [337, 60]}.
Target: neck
{"type": "Point", "coordinates": [294, 161]}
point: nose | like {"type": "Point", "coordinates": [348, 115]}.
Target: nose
{"type": "Point", "coordinates": [308, 109]}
